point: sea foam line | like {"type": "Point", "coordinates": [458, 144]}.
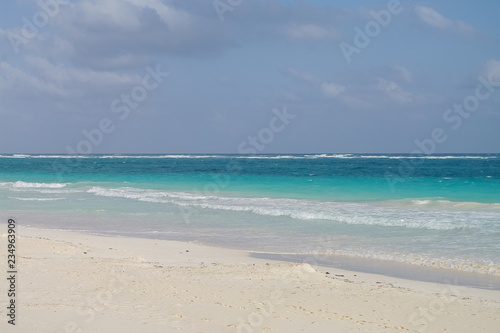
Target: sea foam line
{"type": "Point", "coordinates": [337, 212]}
{"type": "Point", "coordinates": [21, 184]}
{"type": "Point", "coordinates": [36, 199]}
{"type": "Point", "coordinates": [278, 156]}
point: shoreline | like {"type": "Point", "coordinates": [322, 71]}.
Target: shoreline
{"type": "Point", "coordinates": [70, 281]}
{"type": "Point", "coordinates": [392, 269]}
{"type": "Point", "coordinates": [388, 268]}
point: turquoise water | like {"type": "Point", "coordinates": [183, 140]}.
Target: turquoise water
{"type": "Point", "coordinates": [440, 210]}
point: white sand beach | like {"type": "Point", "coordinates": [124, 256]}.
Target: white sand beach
{"type": "Point", "coordinates": [72, 282]}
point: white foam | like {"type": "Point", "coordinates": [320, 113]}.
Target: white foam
{"type": "Point", "coordinates": [59, 191]}
{"type": "Point", "coordinates": [260, 157]}
{"type": "Point", "coordinates": [337, 212]}
{"type": "Point", "coordinates": [36, 199]}
{"type": "Point", "coordinates": [441, 204]}
{"type": "Point", "coordinates": [26, 186]}
{"type": "Point", "coordinates": [306, 156]}
{"type": "Point", "coordinates": [421, 202]}
{"type": "Point", "coordinates": [43, 156]}
{"type": "Point", "coordinates": [160, 156]}
{"type": "Point", "coordinates": [59, 156]}
{"type": "Point", "coordinates": [431, 157]}
{"type": "Point", "coordinates": [21, 184]}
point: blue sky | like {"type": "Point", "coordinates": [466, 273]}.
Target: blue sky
{"type": "Point", "coordinates": [230, 63]}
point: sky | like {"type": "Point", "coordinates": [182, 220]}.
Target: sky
{"type": "Point", "coordinates": [249, 76]}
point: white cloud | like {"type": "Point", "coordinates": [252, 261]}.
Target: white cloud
{"type": "Point", "coordinates": [126, 34]}
{"type": "Point", "coordinates": [332, 89]}
{"type": "Point", "coordinates": [171, 16]}
{"type": "Point", "coordinates": [435, 19]}
{"type": "Point", "coordinates": [328, 89]}
{"type": "Point", "coordinates": [394, 91]}
{"type": "Point", "coordinates": [355, 102]}
{"type": "Point", "coordinates": [310, 31]}
{"type": "Point", "coordinates": [405, 73]}
{"type": "Point", "coordinates": [464, 27]}
{"type": "Point", "coordinates": [303, 76]}
{"type": "Point", "coordinates": [291, 97]}
{"type": "Point", "coordinates": [379, 94]}
{"type": "Point", "coordinates": [15, 80]}
{"type": "Point", "coordinates": [60, 73]}
{"type": "Point", "coordinates": [492, 69]}
{"type": "Point", "coordinates": [39, 77]}
{"type": "Point", "coordinates": [220, 117]}
{"type": "Point", "coordinates": [110, 12]}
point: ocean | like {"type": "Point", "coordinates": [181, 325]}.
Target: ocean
{"type": "Point", "coordinates": [439, 211]}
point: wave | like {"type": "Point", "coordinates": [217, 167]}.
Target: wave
{"type": "Point", "coordinates": [261, 157]}
{"type": "Point", "coordinates": [48, 190]}
{"type": "Point", "coordinates": [428, 157]}
{"type": "Point", "coordinates": [441, 204]}
{"type": "Point", "coordinates": [267, 156]}
{"type": "Point", "coordinates": [160, 156]}
{"type": "Point", "coordinates": [113, 156]}
{"type": "Point", "coordinates": [300, 157]}
{"type": "Point", "coordinates": [44, 156]}
{"type": "Point", "coordinates": [59, 191]}
{"type": "Point", "coordinates": [36, 199]}
{"type": "Point", "coordinates": [335, 212]}
{"type": "Point", "coordinates": [22, 185]}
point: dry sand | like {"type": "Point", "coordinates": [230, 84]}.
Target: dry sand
{"type": "Point", "coordinates": [71, 282]}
